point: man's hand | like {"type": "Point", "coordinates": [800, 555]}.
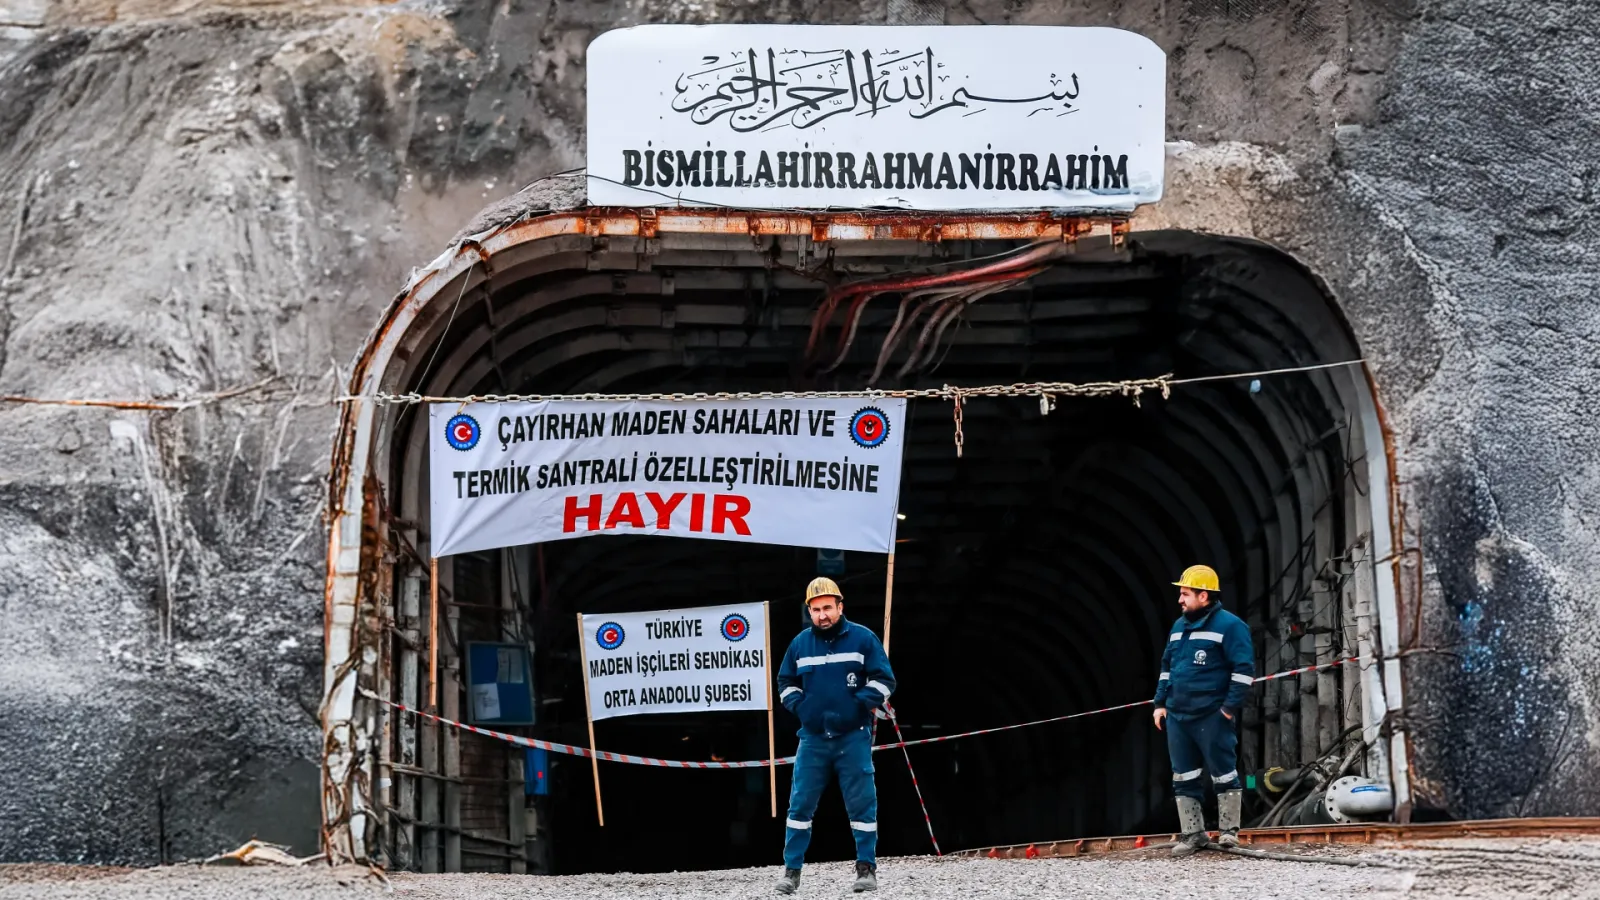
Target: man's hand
{"type": "Point", "coordinates": [1160, 717]}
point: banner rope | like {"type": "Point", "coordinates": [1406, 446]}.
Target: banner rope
{"type": "Point", "coordinates": [1044, 390]}
{"type": "Point", "coordinates": [606, 756]}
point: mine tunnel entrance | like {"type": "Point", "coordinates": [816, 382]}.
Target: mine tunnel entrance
{"type": "Point", "coordinates": [1033, 570]}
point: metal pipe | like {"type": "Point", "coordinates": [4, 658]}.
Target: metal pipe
{"type": "Point", "coordinates": [1279, 780]}
{"type": "Point", "coordinates": [1359, 803]}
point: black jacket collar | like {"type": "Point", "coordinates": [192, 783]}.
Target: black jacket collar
{"type": "Point", "coordinates": [832, 634]}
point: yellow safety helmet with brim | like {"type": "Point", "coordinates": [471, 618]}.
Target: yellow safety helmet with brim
{"type": "Point", "coordinates": [1200, 578]}
{"type": "Point", "coordinates": [822, 587]}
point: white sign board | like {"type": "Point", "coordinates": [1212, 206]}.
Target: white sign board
{"type": "Point", "coordinates": [809, 473]}
{"type": "Point", "coordinates": [912, 117]}
{"type": "Point", "coordinates": [676, 660]}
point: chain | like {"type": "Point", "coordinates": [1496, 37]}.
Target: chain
{"type": "Point", "coordinates": [961, 439]}
{"type": "Point", "coordinates": [1045, 391]}
{"type": "Point", "coordinates": [1133, 388]}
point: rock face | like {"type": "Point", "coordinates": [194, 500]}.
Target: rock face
{"type": "Point", "coordinates": [217, 197]}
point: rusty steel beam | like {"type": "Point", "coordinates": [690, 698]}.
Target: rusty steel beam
{"type": "Point", "coordinates": [841, 226]}
{"type": "Point", "coordinates": [820, 227]}
{"type": "Point", "coordinates": [1375, 833]}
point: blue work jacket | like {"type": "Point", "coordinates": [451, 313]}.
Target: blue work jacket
{"type": "Point", "coordinates": [833, 680]}
{"type": "Point", "coordinates": [1209, 664]}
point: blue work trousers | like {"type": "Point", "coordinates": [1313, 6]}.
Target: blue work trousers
{"type": "Point", "coordinates": [815, 764]}
{"type": "Point", "coordinates": [1203, 745]}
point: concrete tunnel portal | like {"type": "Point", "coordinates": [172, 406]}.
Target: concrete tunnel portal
{"type": "Point", "coordinates": [1032, 572]}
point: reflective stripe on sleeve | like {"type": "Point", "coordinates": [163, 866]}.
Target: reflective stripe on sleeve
{"type": "Point", "coordinates": [791, 689]}
{"type": "Point", "coordinates": [1165, 676]}
{"type": "Point", "coordinates": [1175, 636]}
{"type": "Point", "coordinates": [806, 661]}
{"type": "Point", "coordinates": [880, 687]}
{"type": "Point", "coordinates": [1243, 679]}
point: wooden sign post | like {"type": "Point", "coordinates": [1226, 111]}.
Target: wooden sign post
{"type": "Point", "coordinates": [772, 752]}
{"type": "Point", "coordinates": [594, 757]}
{"type": "Point", "coordinates": [888, 602]}
{"type": "Point", "coordinates": [433, 633]}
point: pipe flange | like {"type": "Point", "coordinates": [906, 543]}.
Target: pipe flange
{"type": "Point", "coordinates": [1357, 799]}
{"type": "Point", "coordinates": [1331, 803]}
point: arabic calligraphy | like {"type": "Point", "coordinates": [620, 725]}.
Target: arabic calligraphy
{"type": "Point", "coordinates": [760, 91]}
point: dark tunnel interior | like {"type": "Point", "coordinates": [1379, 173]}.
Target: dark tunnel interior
{"type": "Point", "coordinates": [1032, 571]}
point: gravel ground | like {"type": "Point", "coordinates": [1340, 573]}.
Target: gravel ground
{"type": "Point", "coordinates": [1469, 869]}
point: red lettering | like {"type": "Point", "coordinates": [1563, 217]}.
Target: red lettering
{"type": "Point", "coordinates": [697, 513]}
{"type": "Point", "coordinates": [730, 509]}
{"type": "Point", "coordinates": [590, 512]}
{"type": "Point", "coordinates": [626, 510]}
{"type": "Point", "coordinates": [664, 508]}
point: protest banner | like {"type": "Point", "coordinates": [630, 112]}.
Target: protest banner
{"type": "Point", "coordinates": [810, 472]}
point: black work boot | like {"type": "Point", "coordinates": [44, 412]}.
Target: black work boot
{"type": "Point", "coordinates": [789, 883]}
{"type": "Point", "coordinates": [866, 877]}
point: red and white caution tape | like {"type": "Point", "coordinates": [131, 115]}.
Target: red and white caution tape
{"type": "Point", "coordinates": [1094, 712]}
{"type": "Point", "coordinates": [914, 786]}
{"type": "Point", "coordinates": [606, 756]}
{"type": "Point", "coordinates": [571, 750]}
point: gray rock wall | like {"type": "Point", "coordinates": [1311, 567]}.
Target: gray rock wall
{"type": "Point", "coordinates": [202, 197]}
{"type": "Point", "coordinates": [1482, 174]}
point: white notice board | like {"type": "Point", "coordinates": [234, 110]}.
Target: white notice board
{"type": "Point", "coordinates": [912, 117]}
{"type": "Point", "coordinates": [706, 659]}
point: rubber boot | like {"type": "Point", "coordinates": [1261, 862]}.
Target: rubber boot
{"type": "Point", "coordinates": [866, 878]}
{"type": "Point", "coordinates": [1228, 803]}
{"type": "Point", "coordinates": [789, 883]}
{"type": "Point", "coordinates": [1191, 827]}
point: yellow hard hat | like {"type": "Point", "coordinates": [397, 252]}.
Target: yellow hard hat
{"type": "Point", "coordinates": [822, 587]}
{"type": "Point", "coordinates": [1200, 578]}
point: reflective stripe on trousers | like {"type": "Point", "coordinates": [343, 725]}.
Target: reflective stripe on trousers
{"type": "Point", "coordinates": [1200, 745]}
{"type": "Point", "coordinates": [817, 762]}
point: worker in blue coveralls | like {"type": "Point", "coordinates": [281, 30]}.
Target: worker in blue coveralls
{"type": "Point", "coordinates": [835, 677]}
{"type": "Point", "coordinates": [1206, 672]}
